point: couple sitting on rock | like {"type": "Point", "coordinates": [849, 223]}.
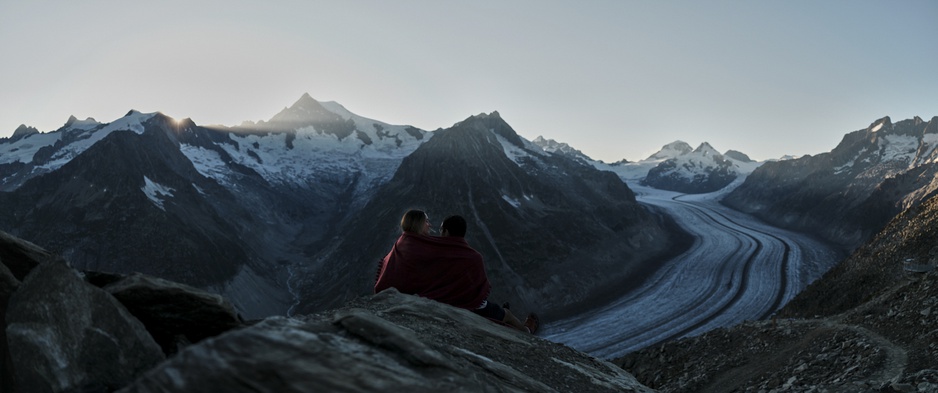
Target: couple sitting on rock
{"type": "Point", "coordinates": [443, 268]}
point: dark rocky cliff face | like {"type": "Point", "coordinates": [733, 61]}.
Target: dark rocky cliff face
{"type": "Point", "coordinates": [553, 231]}
{"type": "Point", "coordinates": [849, 194]}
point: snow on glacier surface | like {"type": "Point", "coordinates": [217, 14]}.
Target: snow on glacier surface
{"type": "Point", "coordinates": [206, 162]}
{"type": "Point", "coordinates": [931, 141]}
{"type": "Point", "coordinates": [516, 153]}
{"type": "Point", "coordinates": [24, 149]}
{"type": "Point", "coordinates": [898, 147]}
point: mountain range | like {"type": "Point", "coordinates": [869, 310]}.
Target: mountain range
{"type": "Point", "coordinates": [292, 214]}
{"type": "Point", "coordinates": [675, 167]}
{"type": "Point", "coordinates": [847, 195]}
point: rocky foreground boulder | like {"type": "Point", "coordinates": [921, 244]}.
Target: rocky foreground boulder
{"type": "Point", "coordinates": [386, 342]}
{"type": "Point", "coordinates": [91, 332]}
{"type": "Point", "coordinates": [66, 334]}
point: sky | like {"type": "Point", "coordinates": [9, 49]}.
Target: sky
{"type": "Point", "coordinates": [615, 79]}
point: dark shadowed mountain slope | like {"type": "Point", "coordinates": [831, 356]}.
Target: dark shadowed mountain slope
{"type": "Point", "coordinates": [132, 202]}
{"type": "Point", "coordinates": [232, 210]}
{"type": "Point", "coordinates": [554, 231]}
{"type": "Point", "coordinates": [848, 194]}
{"type": "Point", "coordinates": [910, 239]}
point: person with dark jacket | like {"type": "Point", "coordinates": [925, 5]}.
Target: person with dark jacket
{"type": "Point", "coordinates": [443, 268]}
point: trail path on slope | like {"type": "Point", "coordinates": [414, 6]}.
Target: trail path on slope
{"type": "Point", "coordinates": [740, 377]}
{"type": "Point", "coordinates": [738, 268]}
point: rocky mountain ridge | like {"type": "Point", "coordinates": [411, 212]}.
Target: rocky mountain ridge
{"type": "Point", "coordinates": [226, 209]}
{"type": "Point", "coordinates": [847, 195]}
{"type": "Point", "coordinates": [679, 167]}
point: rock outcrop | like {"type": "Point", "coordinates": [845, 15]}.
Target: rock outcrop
{"type": "Point", "coordinates": [67, 335]}
{"type": "Point", "coordinates": [175, 314]}
{"type": "Point", "coordinates": [21, 256]}
{"type": "Point", "coordinates": [8, 285]}
{"type": "Point", "coordinates": [386, 342]}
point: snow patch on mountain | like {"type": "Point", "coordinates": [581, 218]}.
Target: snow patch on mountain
{"type": "Point", "coordinates": [86, 124]}
{"type": "Point", "coordinates": [519, 155]}
{"type": "Point", "coordinates": [207, 162]}
{"type": "Point", "coordinates": [511, 201]}
{"type": "Point", "coordinates": [929, 142]}
{"type": "Point", "coordinates": [898, 148]}
{"type": "Point", "coordinates": [23, 150]}
{"type": "Point", "coordinates": [157, 193]}
{"type": "Point", "coordinates": [79, 135]}
{"type": "Point", "coordinates": [303, 153]}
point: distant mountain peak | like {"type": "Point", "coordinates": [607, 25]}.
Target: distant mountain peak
{"type": "Point", "coordinates": [671, 150]}
{"type": "Point", "coordinates": [552, 146]}
{"type": "Point", "coordinates": [304, 111]}
{"type": "Point", "coordinates": [490, 123]}
{"type": "Point", "coordinates": [306, 101]}
{"type": "Point", "coordinates": [21, 132]}
{"type": "Point", "coordinates": [89, 121]}
{"type": "Point", "coordinates": [738, 156]}
{"type": "Point", "coordinates": [706, 150]}
{"type": "Point", "coordinates": [879, 124]}
{"type": "Point", "coordinates": [24, 130]}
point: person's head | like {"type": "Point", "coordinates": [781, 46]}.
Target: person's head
{"type": "Point", "coordinates": [416, 221]}
{"type": "Point", "coordinates": [453, 226]}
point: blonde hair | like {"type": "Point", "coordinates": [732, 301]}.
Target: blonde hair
{"type": "Point", "coordinates": [413, 221]}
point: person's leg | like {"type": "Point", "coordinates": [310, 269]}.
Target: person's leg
{"type": "Point", "coordinates": [493, 311]}
{"type": "Point", "coordinates": [513, 321]}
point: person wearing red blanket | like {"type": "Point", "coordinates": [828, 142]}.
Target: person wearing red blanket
{"type": "Point", "coordinates": [444, 268]}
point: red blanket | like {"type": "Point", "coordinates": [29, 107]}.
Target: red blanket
{"type": "Point", "coordinates": [444, 269]}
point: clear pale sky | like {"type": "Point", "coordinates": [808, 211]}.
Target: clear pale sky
{"type": "Point", "coordinates": [615, 79]}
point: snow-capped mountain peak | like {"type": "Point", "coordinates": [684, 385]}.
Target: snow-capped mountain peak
{"type": "Point", "coordinates": [738, 156]}
{"type": "Point", "coordinates": [552, 146]}
{"type": "Point", "coordinates": [86, 124]}
{"type": "Point", "coordinates": [22, 131]}
{"type": "Point", "coordinates": [879, 124]}
{"type": "Point", "coordinates": [707, 151]}
{"type": "Point", "coordinates": [304, 111]}
{"type": "Point", "coordinates": [671, 150]}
